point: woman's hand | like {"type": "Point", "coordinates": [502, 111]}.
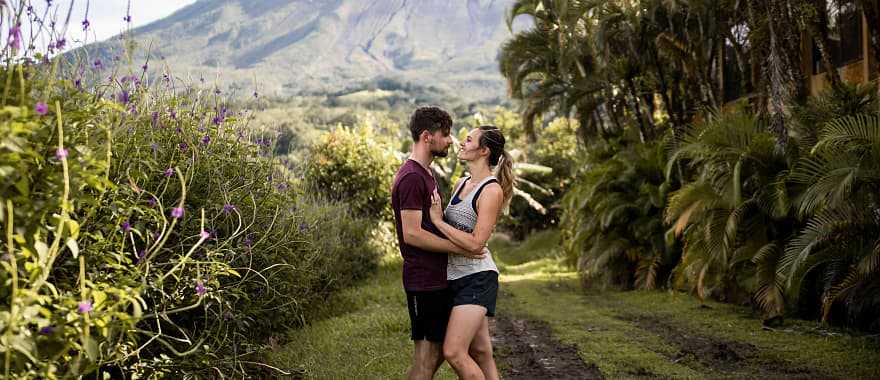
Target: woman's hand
{"type": "Point", "coordinates": [436, 207]}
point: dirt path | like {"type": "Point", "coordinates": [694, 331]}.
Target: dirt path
{"type": "Point", "coordinates": [526, 350]}
{"type": "Point", "coordinates": [724, 358]}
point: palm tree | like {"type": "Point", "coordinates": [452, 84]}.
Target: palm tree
{"type": "Point", "coordinates": [841, 183]}
{"type": "Point", "coordinates": [731, 217]}
{"type": "Point", "coordinates": [611, 223]}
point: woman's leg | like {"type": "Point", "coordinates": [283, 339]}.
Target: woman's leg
{"type": "Point", "coordinates": [464, 323]}
{"type": "Point", "coordinates": [481, 351]}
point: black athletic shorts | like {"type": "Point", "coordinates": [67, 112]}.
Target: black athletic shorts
{"type": "Point", "coordinates": [429, 313]}
{"type": "Point", "coordinates": [480, 288]}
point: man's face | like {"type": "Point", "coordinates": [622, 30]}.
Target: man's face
{"type": "Point", "coordinates": [439, 142]}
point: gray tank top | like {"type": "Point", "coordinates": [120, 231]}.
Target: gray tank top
{"type": "Point", "coordinates": [461, 214]}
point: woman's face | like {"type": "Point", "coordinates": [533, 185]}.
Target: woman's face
{"type": "Point", "coordinates": [469, 148]}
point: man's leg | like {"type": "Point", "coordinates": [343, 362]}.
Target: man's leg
{"type": "Point", "coordinates": [427, 358]}
{"type": "Point", "coordinates": [463, 325]}
{"type": "Point", "coordinates": [481, 351]}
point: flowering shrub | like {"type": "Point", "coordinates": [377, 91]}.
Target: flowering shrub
{"type": "Point", "coordinates": [148, 232]}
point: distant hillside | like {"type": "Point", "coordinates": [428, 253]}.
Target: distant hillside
{"type": "Point", "coordinates": [291, 47]}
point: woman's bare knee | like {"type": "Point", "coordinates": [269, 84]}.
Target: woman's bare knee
{"type": "Point", "coordinates": [480, 351]}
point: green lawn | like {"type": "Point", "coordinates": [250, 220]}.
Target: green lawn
{"type": "Point", "coordinates": [364, 334]}
{"type": "Point", "coordinates": [364, 331]}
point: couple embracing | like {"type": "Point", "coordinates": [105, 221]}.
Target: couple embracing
{"type": "Point", "coordinates": [450, 279]}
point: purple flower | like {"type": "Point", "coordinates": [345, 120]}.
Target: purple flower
{"type": "Point", "coordinates": [85, 307]}
{"type": "Point", "coordinates": [47, 330]}
{"type": "Point", "coordinates": [155, 117]}
{"type": "Point", "coordinates": [249, 240]}
{"type": "Point", "coordinates": [60, 43]}
{"type": "Point", "coordinates": [123, 97]}
{"type": "Point", "coordinates": [206, 140]}
{"type": "Point", "coordinates": [98, 64]}
{"type": "Point", "coordinates": [200, 288]}
{"type": "Point", "coordinates": [154, 147]}
{"type": "Point", "coordinates": [177, 212]}
{"type": "Point", "coordinates": [126, 226]}
{"type": "Point", "coordinates": [169, 172]}
{"type": "Point", "coordinates": [228, 208]}
{"type": "Point", "coordinates": [183, 146]}
{"type": "Point", "coordinates": [41, 108]}
{"type": "Point", "coordinates": [85, 24]}
{"type": "Point", "coordinates": [151, 202]}
{"type": "Point", "coordinates": [78, 84]}
{"type": "Point", "coordinates": [205, 234]}
{"type": "Point", "coordinates": [61, 153]}
{"type": "Point", "coordinates": [217, 120]}
{"type": "Point", "coordinates": [127, 18]}
{"type": "Point", "coordinates": [144, 67]}
{"type": "Point", "coordinates": [256, 95]}
{"type": "Point", "coordinates": [303, 227]}
{"type": "Point", "coordinates": [14, 40]}
{"type": "Point", "coordinates": [141, 254]}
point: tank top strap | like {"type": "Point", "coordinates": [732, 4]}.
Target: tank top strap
{"type": "Point", "coordinates": [475, 195]}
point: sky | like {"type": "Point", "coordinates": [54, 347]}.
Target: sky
{"type": "Point", "coordinates": [106, 16]}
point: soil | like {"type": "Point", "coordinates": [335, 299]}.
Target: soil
{"type": "Point", "coordinates": [526, 350]}
{"type": "Point", "coordinates": [725, 358]}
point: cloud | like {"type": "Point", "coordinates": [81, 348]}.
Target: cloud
{"type": "Point", "coordinates": [106, 17]}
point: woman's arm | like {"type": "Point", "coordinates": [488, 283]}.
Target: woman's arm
{"type": "Point", "coordinates": [488, 208]}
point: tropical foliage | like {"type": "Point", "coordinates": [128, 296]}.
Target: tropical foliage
{"type": "Point", "coordinates": [768, 200]}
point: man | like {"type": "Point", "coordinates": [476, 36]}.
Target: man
{"type": "Point", "coordinates": [423, 247]}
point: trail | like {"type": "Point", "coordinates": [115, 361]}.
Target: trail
{"type": "Point", "coordinates": [548, 327]}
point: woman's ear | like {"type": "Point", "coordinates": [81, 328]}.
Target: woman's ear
{"type": "Point", "coordinates": [485, 151]}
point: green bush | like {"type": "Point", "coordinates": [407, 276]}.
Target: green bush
{"type": "Point", "coordinates": [355, 165]}
{"type": "Point", "coordinates": [148, 232]}
{"type": "Point", "coordinates": [612, 225]}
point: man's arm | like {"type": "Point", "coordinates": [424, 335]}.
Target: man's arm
{"type": "Point", "coordinates": [489, 206]}
{"type": "Point", "coordinates": [414, 235]}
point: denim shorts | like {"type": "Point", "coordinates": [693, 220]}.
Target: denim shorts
{"type": "Point", "coordinates": [480, 288]}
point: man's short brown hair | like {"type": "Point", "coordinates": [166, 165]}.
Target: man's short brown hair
{"type": "Point", "coordinates": [431, 119]}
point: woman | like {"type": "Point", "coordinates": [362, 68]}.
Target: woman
{"type": "Point", "coordinates": [468, 222]}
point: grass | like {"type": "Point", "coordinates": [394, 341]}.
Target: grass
{"type": "Point", "coordinates": [600, 324]}
{"type": "Point", "coordinates": [364, 332]}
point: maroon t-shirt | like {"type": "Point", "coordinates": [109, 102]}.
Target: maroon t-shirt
{"type": "Point", "coordinates": [422, 270]}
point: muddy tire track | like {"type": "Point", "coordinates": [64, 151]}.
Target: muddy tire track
{"type": "Point", "coordinates": [527, 350]}
{"type": "Point", "coordinates": [724, 358]}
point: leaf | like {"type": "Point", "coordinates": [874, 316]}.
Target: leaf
{"type": "Point", "coordinates": [42, 250]}
{"type": "Point", "coordinates": [99, 297]}
{"type": "Point", "coordinates": [91, 348]}
{"type": "Point", "coordinates": [73, 247]}
{"type": "Point", "coordinates": [73, 226]}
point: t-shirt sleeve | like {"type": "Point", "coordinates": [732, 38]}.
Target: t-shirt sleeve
{"type": "Point", "coordinates": [412, 192]}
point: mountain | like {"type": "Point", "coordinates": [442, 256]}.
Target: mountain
{"type": "Point", "coordinates": [290, 47]}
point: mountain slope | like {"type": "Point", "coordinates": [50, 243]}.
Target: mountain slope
{"type": "Point", "coordinates": [295, 46]}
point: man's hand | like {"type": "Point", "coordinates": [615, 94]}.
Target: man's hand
{"type": "Point", "coordinates": [477, 256]}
